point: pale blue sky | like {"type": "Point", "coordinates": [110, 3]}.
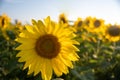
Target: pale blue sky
{"type": "Point", "coordinates": [25, 10]}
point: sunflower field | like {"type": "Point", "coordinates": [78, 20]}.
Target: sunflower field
{"type": "Point", "coordinates": [84, 49]}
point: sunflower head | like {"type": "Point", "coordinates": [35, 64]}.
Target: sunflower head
{"type": "Point", "coordinates": [113, 32]}
{"type": "Point", "coordinates": [79, 22]}
{"type": "Point", "coordinates": [97, 23]}
{"type": "Point", "coordinates": [19, 25]}
{"type": "Point", "coordinates": [96, 26]}
{"type": "Point", "coordinates": [78, 25]}
{"type": "Point", "coordinates": [45, 46]}
{"type": "Point", "coordinates": [63, 18]}
{"type": "Point", "coordinates": [4, 21]}
{"type": "Point", "coordinates": [87, 21]}
{"type": "Point", "coordinates": [6, 26]}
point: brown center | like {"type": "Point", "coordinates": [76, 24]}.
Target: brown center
{"type": "Point", "coordinates": [79, 24]}
{"type": "Point", "coordinates": [87, 22]}
{"type": "Point", "coordinates": [47, 46]}
{"type": "Point", "coordinates": [97, 23]}
{"type": "Point", "coordinates": [3, 22]}
{"type": "Point", "coordinates": [63, 20]}
{"type": "Point", "coordinates": [114, 31]}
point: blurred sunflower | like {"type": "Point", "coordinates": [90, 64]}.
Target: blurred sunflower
{"type": "Point", "coordinates": [97, 25]}
{"type": "Point", "coordinates": [94, 27]}
{"type": "Point", "coordinates": [78, 24]}
{"type": "Point", "coordinates": [86, 35]}
{"type": "Point", "coordinates": [87, 21]}
{"type": "Point", "coordinates": [18, 27]}
{"type": "Point", "coordinates": [4, 21]}
{"type": "Point", "coordinates": [112, 32]}
{"type": "Point", "coordinates": [47, 47]}
{"type": "Point", "coordinates": [5, 25]}
{"type": "Point", "coordinates": [63, 18]}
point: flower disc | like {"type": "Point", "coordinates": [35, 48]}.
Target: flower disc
{"type": "Point", "coordinates": [97, 23]}
{"type": "Point", "coordinates": [47, 46]}
{"type": "Point", "coordinates": [114, 31]}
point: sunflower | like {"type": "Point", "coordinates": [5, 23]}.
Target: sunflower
{"type": "Point", "coordinates": [112, 32]}
{"type": "Point", "coordinates": [63, 18]}
{"type": "Point", "coordinates": [5, 25]}
{"type": "Point", "coordinates": [47, 47]}
{"type": "Point", "coordinates": [85, 34]}
{"type": "Point", "coordinates": [97, 25]}
{"type": "Point", "coordinates": [18, 27]}
{"type": "Point", "coordinates": [4, 21]}
{"type": "Point", "coordinates": [78, 24]}
{"type": "Point", "coordinates": [93, 24]}
{"type": "Point", "coordinates": [87, 21]}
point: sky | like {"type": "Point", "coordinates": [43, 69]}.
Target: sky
{"type": "Point", "coordinates": [25, 10]}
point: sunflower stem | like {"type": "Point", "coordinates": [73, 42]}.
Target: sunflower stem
{"type": "Point", "coordinates": [98, 47]}
{"type": "Point", "coordinates": [114, 47]}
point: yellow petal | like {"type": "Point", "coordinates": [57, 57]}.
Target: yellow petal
{"type": "Point", "coordinates": [66, 61]}
{"type": "Point", "coordinates": [38, 65]}
{"type": "Point", "coordinates": [60, 66]}
{"type": "Point", "coordinates": [47, 20]}
{"type": "Point", "coordinates": [56, 29]}
{"type": "Point", "coordinates": [26, 54]}
{"type": "Point", "coordinates": [56, 70]}
{"type": "Point", "coordinates": [41, 27]}
{"type": "Point", "coordinates": [71, 56]}
{"type": "Point", "coordinates": [46, 70]}
{"type": "Point", "coordinates": [26, 46]}
{"type": "Point", "coordinates": [34, 22]}
{"type": "Point", "coordinates": [26, 34]}
{"type": "Point", "coordinates": [33, 65]}
{"type": "Point", "coordinates": [29, 28]}
{"type": "Point", "coordinates": [26, 40]}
